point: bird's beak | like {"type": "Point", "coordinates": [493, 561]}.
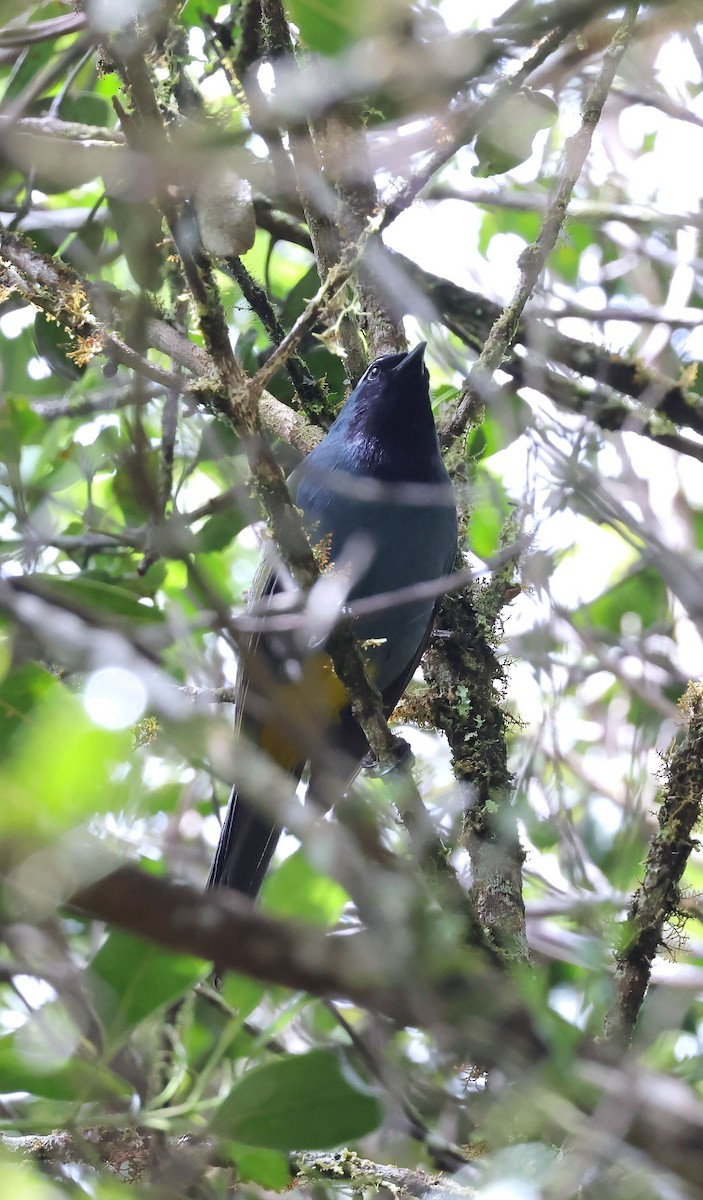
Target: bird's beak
{"type": "Point", "coordinates": [413, 361]}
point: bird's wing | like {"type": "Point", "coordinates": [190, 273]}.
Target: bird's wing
{"type": "Point", "coordinates": [248, 839]}
{"type": "Point", "coordinates": [265, 583]}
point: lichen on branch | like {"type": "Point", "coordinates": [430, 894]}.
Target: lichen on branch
{"type": "Point", "coordinates": [656, 904]}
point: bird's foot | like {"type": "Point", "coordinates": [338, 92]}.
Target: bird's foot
{"type": "Point", "coordinates": [403, 758]}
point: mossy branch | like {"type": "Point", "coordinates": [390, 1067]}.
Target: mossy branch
{"type": "Point", "coordinates": [657, 902]}
{"type": "Point", "coordinates": [467, 681]}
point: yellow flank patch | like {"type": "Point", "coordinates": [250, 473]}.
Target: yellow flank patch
{"type": "Point", "coordinates": [302, 712]}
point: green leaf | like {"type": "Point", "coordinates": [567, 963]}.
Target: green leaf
{"type": "Point", "coordinates": [622, 862]}
{"type": "Point", "coordinates": [525, 224]}
{"type": "Point", "coordinates": [242, 993]}
{"type": "Point", "coordinates": [328, 26]}
{"type": "Point", "coordinates": [193, 10]}
{"type": "Point", "coordinates": [29, 64]}
{"type": "Point", "coordinates": [20, 692]}
{"type": "Point", "coordinates": [55, 344]}
{"type": "Point", "coordinates": [62, 769]}
{"type": "Point", "coordinates": [18, 426]}
{"type": "Point", "coordinates": [506, 140]}
{"type": "Point", "coordinates": [135, 484]}
{"type": "Point", "coordinates": [86, 108]}
{"type": "Point", "coordinates": [221, 529]}
{"type": "Point", "coordinates": [137, 224]}
{"type": "Point", "coordinates": [269, 1168]}
{"type": "Point", "coordinates": [566, 256]}
{"type": "Point", "coordinates": [489, 510]}
{"type": "Point", "coordinates": [133, 978]}
{"type": "Point", "coordinates": [219, 440]}
{"type": "Point", "coordinates": [94, 594]}
{"type": "Point", "coordinates": [642, 593]}
{"type": "Point", "coordinates": [498, 432]}
{"type": "Point", "coordinates": [305, 1102]}
{"type": "Point", "coordinates": [298, 294]}
{"type": "Point", "coordinates": [25, 1066]}
{"type": "Point", "coordinates": [29, 1181]}
{"type": "Point", "coordinates": [296, 889]}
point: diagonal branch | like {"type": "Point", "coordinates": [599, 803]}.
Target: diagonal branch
{"type": "Point", "coordinates": [468, 120]}
{"type": "Point", "coordinates": [414, 982]}
{"type": "Point", "coordinates": [470, 316]}
{"type": "Point", "coordinates": [534, 257]}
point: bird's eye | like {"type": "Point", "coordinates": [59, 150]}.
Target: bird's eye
{"type": "Point", "coordinates": [373, 372]}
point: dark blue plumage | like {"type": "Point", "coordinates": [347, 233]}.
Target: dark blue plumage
{"type": "Point", "coordinates": [377, 476]}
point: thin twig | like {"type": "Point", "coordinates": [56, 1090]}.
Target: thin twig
{"type": "Point", "coordinates": [466, 123]}
{"type": "Point", "coordinates": [534, 257]}
{"type": "Point", "coordinates": [316, 309]}
{"type": "Point", "coordinates": [309, 391]}
{"type": "Point", "coordinates": [590, 212]}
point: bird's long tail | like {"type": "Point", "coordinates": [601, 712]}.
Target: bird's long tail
{"type": "Point", "coordinates": [244, 851]}
{"type": "Point", "coordinates": [248, 838]}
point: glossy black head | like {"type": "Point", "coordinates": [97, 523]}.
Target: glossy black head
{"type": "Point", "coordinates": [396, 370]}
{"type": "Point", "coordinates": [386, 427]}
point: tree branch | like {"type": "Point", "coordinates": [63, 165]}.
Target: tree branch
{"type": "Point", "coordinates": [345, 1169]}
{"type": "Point", "coordinates": [62, 293]}
{"type": "Point", "coordinates": [589, 212]}
{"type": "Point", "coordinates": [467, 998]}
{"type": "Point", "coordinates": [470, 316]}
{"type": "Point", "coordinates": [467, 682]}
{"type": "Point", "coordinates": [533, 258]}
{"type": "Point", "coordinates": [466, 121]}
{"type": "Point", "coordinates": [657, 902]}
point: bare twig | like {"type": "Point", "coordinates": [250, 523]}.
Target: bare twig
{"type": "Point", "coordinates": [42, 31]}
{"type": "Point", "coordinates": [466, 122]}
{"type": "Point", "coordinates": [55, 127]}
{"type": "Point", "coordinates": [688, 318]}
{"type": "Point", "coordinates": [533, 259]}
{"type": "Point", "coordinates": [106, 401]}
{"type": "Point", "coordinates": [316, 309]}
{"type": "Point", "coordinates": [590, 212]}
{"type": "Point", "coordinates": [310, 393]}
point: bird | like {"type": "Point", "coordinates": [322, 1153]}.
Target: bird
{"type": "Point", "coordinates": [375, 489]}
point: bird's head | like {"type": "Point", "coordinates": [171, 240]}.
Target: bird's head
{"type": "Point", "coordinates": [392, 395]}
{"type": "Point", "coordinates": [387, 426]}
{"type": "Point", "coordinates": [394, 374]}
